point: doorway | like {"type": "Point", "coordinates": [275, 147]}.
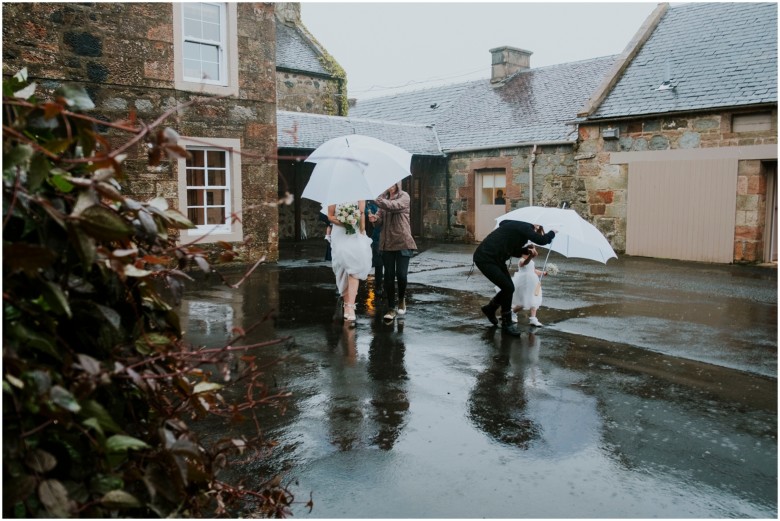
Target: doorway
{"type": "Point", "coordinates": [490, 200]}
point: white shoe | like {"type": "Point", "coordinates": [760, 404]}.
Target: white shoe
{"type": "Point", "coordinates": [535, 322]}
{"type": "Point", "coordinates": [327, 238]}
{"type": "Point", "coordinates": [402, 307]}
{"type": "Point", "coordinates": [514, 317]}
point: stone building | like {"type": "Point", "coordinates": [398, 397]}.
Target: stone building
{"type": "Point", "coordinates": [678, 148]}
{"type": "Point", "coordinates": [670, 148]}
{"type": "Point", "coordinates": [511, 133]}
{"type": "Point", "coordinates": [151, 57]}
{"type": "Point", "coordinates": [308, 79]}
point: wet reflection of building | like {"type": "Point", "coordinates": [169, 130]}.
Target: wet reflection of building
{"type": "Point", "coordinates": [368, 403]}
{"type": "Point", "coordinates": [498, 402]}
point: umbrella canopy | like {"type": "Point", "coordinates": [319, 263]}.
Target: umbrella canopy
{"type": "Point", "coordinates": [355, 167]}
{"type": "Point", "coordinates": [576, 237]}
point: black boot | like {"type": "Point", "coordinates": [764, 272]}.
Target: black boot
{"type": "Point", "coordinates": [490, 311]}
{"type": "Point", "coordinates": [507, 326]}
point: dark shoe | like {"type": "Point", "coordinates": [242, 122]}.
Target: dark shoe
{"type": "Point", "coordinates": [507, 326]}
{"type": "Point", "coordinates": [490, 313]}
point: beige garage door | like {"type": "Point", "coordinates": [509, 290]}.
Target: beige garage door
{"type": "Point", "coordinates": [682, 210]}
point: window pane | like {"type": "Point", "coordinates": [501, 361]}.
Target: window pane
{"type": "Point", "coordinates": [217, 158]}
{"type": "Point", "coordinates": [192, 28]}
{"type": "Point", "coordinates": [209, 53]}
{"type": "Point", "coordinates": [211, 32]}
{"type": "Point", "coordinates": [500, 181]}
{"type": "Point", "coordinates": [487, 181]}
{"type": "Point", "coordinates": [215, 197]}
{"type": "Point", "coordinates": [197, 158]}
{"type": "Point", "coordinates": [196, 177]}
{"type": "Point", "coordinates": [191, 51]}
{"type": "Point", "coordinates": [216, 216]}
{"type": "Point", "coordinates": [210, 13]}
{"type": "Point", "coordinates": [217, 178]}
{"type": "Point", "coordinates": [192, 69]}
{"type": "Point", "coordinates": [210, 71]}
{"type": "Point", "coordinates": [487, 196]}
{"type": "Point", "coordinates": [191, 10]}
{"type": "Point", "coordinates": [195, 215]}
{"type": "Point", "coordinates": [194, 197]}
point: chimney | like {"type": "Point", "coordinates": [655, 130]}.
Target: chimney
{"type": "Point", "coordinates": [288, 12]}
{"type": "Point", "coordinates": [507, 61]}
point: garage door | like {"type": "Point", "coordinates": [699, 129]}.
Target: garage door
{"type": "Point", "coordinates": [682, 210]}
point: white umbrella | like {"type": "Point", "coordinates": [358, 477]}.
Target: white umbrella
{"type": "Point", "coordinates": [354, 167]}
{"type": "Point", "coordinates": [576, 237]}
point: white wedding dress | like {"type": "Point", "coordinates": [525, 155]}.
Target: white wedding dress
{"type": "Point", "coordinates": [351, 255]}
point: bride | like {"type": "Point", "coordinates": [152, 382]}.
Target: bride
{"type": "Point", "coordinates": [351, 251]}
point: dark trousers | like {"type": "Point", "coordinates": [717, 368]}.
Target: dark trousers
{"type": "Point", "coordinates": [396, 267]}
{"type": "Point", "coordinates": [377, 263]}
{"type": "Point", "coordinates": [497, 273]}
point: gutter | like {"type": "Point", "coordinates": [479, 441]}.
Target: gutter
{"type": "Point", "coordinates": [510, 145]}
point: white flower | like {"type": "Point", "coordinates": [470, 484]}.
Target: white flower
{"type": "Point", "coordinates": [349, 216]}
{"type": "Point", "coordinates": [552, 269]}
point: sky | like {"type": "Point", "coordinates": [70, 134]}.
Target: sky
{"type": "Point", "coordinates": [386, 48]}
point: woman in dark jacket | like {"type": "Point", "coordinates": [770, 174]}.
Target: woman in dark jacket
{"type": "Point", "coordinates": [396, 244]}
{"type": "Point", "coordinates": [491, 257]}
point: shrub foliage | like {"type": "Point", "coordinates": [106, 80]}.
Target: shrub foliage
{"type": "Point", "coordinates": [99, 391]}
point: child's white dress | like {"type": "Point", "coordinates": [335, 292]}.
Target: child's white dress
{"type": "Point", "coordinates": [528, 288]}
{"type": "Point", "coordinates": [351, 254]}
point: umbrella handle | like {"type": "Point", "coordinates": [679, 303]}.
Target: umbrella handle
{"type": "Point", "coordinates": [549, 249]}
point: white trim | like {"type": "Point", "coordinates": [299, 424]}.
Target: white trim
{"type": "Point", "coordinates": [228, 85]}
{"type": "Point", "coordinates": [230, 231]}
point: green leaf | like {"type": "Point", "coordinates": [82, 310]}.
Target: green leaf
{"type": "Point", "coordinates": [58, 146]}
{"type": "Point", "coordinates": [76, 97]}
{"type": "Point", "coordinates": [160, 203]}
{"type": "Point", "coordinates": [111, 315]}
{"type": "Point", "coordinates": [54, 497]}
{"type": "Point", "coordinates": [123, 443]}
{"type": "Point", "coordinates": [62, 397]}
{"type": "Point", "coordinates": [83, 244]}
{"type": "Point", "coordinates": [39, 169]}
{"type": "Point", "coordinates": [103, 483]}
{"type": "Point", "coordinates": [56, 299]}
{"type": "Point", "coordinates": [206, 387]}
{"type": "Point", "coordinates": [26, 92]}
{"type": "Point", "coordinates": [21, 76]}
{"type": "Point", "coordinates": [119, 499]}
{"type": "Point", "coordinates": [40, 461]}
{"type": "Point", "coordinates": [93, 409]}
{"type": "Point", "coordinates": [104, 224]}
{"type": "Point", "coordinates": [178, 220]}
{"type": "Point", "coordinates": [60, 183]}
{"type": "Point", "coordinates": [18, 155]}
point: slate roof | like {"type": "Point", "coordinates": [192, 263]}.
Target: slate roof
{"type": "Point", "coordinates": [532, 106]}
{"type": "Point", "coordinates": [308, 131]}
{"type": "Point", "coordinates": [717, 55]}
{"type": "Point", "coordinates": [295, 51]}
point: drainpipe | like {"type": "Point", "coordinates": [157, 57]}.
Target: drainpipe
{"type": "Point", "coordinates": [531, 177]}
{"type": "Point", "coordinates": [447, 191]}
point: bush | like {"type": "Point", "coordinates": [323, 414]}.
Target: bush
{"type": "Point", "coordinates": [98, 387]}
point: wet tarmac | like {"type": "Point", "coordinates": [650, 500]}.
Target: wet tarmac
{"type": "Point", "coordinates": [651, 391]}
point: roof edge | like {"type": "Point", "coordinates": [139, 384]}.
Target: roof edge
{"type": "Point", "coordinates": [623, 61]}
{"type": "Point", "coordinates": [674, 113]}
{"type": "Point", "coordinates": [508, 145]}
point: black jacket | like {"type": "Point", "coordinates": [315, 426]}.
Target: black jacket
{"type": "Point", "coordinates": [508, 240]}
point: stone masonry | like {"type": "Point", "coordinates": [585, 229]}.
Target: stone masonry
{"type": "Point", "coordinates": [605, 185]}
{"type": "Point", "coordinates": [123, 54]}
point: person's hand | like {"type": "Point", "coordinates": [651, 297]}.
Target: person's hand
{"type": "Point", "coordinates": [372, 217]}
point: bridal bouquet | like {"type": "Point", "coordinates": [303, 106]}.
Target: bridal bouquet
{"type": "Point", "coordinates": [552, 269]}
{"type": "Point", "coordinates": [349, 216]}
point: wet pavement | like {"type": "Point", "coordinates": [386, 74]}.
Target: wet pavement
{"type": "Point", "coordinates": [651, 391]}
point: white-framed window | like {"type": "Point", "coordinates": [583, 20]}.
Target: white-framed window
{"type": "Point", "coordinates": [206, 47]}
{"type": "Point", "coordinates": [493, 187]}
{"type": "Point", "coordinates": [210, 188]}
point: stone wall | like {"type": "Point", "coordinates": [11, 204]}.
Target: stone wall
{"type": "Point", "coordinates": [554, 181]}
{"type": "Point", "coordinates": [605, 185]}
{"type": "Point", "coordinates": [298, 92]}
{"type": "Point", "coordinates": [123, 53]}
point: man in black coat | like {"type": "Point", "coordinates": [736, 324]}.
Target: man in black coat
{"type": "Point", "coordinates": [491, 256]}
